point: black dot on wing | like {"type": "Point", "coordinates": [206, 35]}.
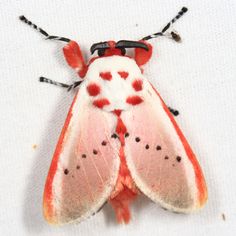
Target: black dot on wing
{"type": "Point", "coordinates": [127, 135]}
{"type": "Point", "coordinates": [83, 155]}
{"type": "Point", "coordinates": [66, 171]}
{"type": "Point", "coordinates": [147, 146]}
{"type": "Point", "coordinates": [166, 157]}
{"type": "Point", "coordinates": [137, 139]}
{"type": "Point", "coordinates": [104, 143]}
{"type": "Point", "coordinates": [95, 152]}
{"type": "Point", "coordinates": [77, 167]}
{"type": "Point", "coordinates": [178, 158]}
{"type": "Point", "coordinates": [114, 135]}
{"type": "Point", "coordinates": [158, 147]}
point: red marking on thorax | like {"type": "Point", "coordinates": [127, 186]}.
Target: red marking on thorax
{"type": "Point", "coordinates": [117, 112]}
{"type": "Point", "coordinates": [93, 89]}
{"type": "Point", "coordinates": [106, 75]}
{"type": "Point", "coordinates": [112, 50]}
{"type": "Point", "coordinates": [137, 85]}
{"type": "Point", "coordinates": [112, 44]}
{"type": "Point", "coordinates": [134, 100]}
{"type": "Point", "coordinates": [100, 103]}
{"type": "Point", "coordinates": [120, 127]}
{"type": "Point", "coordinates": [123, 74]}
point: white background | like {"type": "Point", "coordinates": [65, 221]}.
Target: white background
{"type": "Point", "coordinates": [197, 77]}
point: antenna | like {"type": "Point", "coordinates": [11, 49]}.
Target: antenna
{"type": "Point", "coordinates": [43, 32]}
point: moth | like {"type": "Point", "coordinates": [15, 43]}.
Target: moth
{"type": "Point", "coordinates": [119, 139]}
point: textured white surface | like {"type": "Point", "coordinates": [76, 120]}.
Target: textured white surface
{"type": "Point", "coordinates": [196, 77]}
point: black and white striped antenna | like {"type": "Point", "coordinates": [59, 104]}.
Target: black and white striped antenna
{"type": "Point", "coordinates": [171, 34]}
{"type": "Point", "coordinates": [62, 85]}
{"type": "Point", "coordinates": [51, 37]}
{"type": "Point", "coordinates": [43, 32]}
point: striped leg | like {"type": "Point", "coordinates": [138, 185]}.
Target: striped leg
{"type": "Point", "coordinates": [43, 32]}
{"type": "Point", "coordinates": [173, 111]}
{"type": "Point", "coordinates": [62, 85]}
{"type": "Point", "coordinates": [173, 34]}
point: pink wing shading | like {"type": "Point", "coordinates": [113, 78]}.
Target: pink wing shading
{"type": "Point", "coordinates": [85, 164]}
{"type": "Point", "coordinates": [160, 159]}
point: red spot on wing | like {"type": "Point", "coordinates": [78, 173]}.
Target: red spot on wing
{"type": "Point", "coordinates": [105, 75]}
{"type": "Point", "coordinates": [93, 89]}
{"type": "Point", "coordinates": [138, 85]}
{"type": "Point", "coordinates": [100, 103]}
{"type": "Point", "coordinates": [134, 100]}
{"type": "Point", "coordinates": [123, 74]}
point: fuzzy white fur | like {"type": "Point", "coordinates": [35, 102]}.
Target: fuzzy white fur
{"type": "Point", "coordinates": [118, 89]}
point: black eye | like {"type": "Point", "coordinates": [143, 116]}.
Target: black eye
{"type": "Point", "coordinates": [123, 51]}
{"type": "Point", "coordinates": [101, 52]}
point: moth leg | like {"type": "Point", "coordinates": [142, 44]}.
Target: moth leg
{"type": "Point", "coordinates": [173, 35]}
{"type": "Point", "coordinates": [62, 85]}
{"type": "Point", "coordinates": [173, 111]}
{"type": "Point", "coordinates": [43, 32]}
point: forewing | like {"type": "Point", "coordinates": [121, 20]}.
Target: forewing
{"type": "Point", "coordinates": [85, 164]}
{"type": "Point", "coordinates": [160, 159]}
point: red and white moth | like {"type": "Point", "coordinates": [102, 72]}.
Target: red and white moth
{"type": "Point", "coordinates": [119, 139]}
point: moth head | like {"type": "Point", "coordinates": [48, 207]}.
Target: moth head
{"type": "Point", "coordinates": [143, 49]}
